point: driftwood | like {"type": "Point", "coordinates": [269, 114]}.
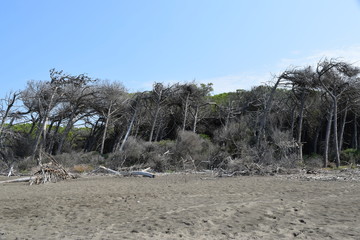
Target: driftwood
{"type": "Point", "coordinates": [53, 172]}
{"type": "Point", "coordinates": [49, 172]}
{"type": "Point", "coordinates": [24, 179]}
{"type": "Point", "coordinates": [11, 171]}
{"type": "Point", "coordinates": [133, 173]}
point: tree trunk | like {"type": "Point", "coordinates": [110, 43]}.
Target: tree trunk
{"type": "Point", "coordinates": [327, 138]}
{"type": "Point", "coordinates": [154, 122]}
{"type": "Point", "coordinates": [195, 118]}
{"type": "Point", "coordinates": [355, 135]}
{"type": "Point", "coordinates": [128, 131]}
{"type": "Point", "coordinates": [34, 122]}
{"type": "Point", "coordinates": [292, 125]}
{"type": "Point", "coordinates": [342, 130]}
{"type": "Point", "coordinates": [337, 152]}
{"type": "Point", "coordinates": [43, 126]}
{"type": "Point", "coordinates": [267, 110]}
{"type": "Point", "coordinates": [105, 129]}
{"type": "Point", "coordinates": [66, 132]}
{"type": "Point", "coordinates": [51, 149]}
{"type": "Point", "coordinates": [91, 139]}
{"type": "Point", "coordinates": [316, 138]}
{"type": "Point", "coordinates": [186, 111]}
{"type": "Point", "coordinates": [158, 131]}
{"type": "Point", "coordinates": [300, 125]}
{"type": "Point", "coordinates": [7, 111]}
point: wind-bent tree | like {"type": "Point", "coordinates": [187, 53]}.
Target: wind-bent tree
{"type": "Point", "coordinates": [75, 97]}
{"type": "Point", "coordinates": [110, 100]}
{"type": "Point", "coordinates": [302, 83]}
{"type": "Point", "coordinates": [266, 112]}
{"type": "Point", "coordinates": [135, 108]}
{"type": "Point", "coordinates": [158, 99]}
{"type": "Point", "coordinates": [200, 102]}
{"type": "Point", "coordinates": [41, 97]}
{"type": "Point", "coordinates": [7, 111]}
{"type": "Point", "coordinates": [335, 78]}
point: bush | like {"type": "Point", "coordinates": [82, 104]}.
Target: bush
{"type": "Point", "coordinates": [71, 159]}
{"type": "Point", "coordinates": [191, 151]}
{"type": "Point", "coordinates": [145, 154]}
{"type": "Point", "coordinates": [26, 164]}
{"type": "Point", "coordinates": [313, 161]}
{"type": "Point", "coordinates": [350, 156]}
{"type": "Point", "coordinates": [133, 153]}
{"type": "Point", "coordinates": [234, 137]}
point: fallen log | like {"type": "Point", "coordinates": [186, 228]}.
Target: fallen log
{"type": "Point", "coordinates": [24, 179]}
{"type": "Point", "coordinates": [133, 173]}
{"type": "Point", "coordinates": [141, 173]}
{"type": "Point", "coordinates": [113, 171]}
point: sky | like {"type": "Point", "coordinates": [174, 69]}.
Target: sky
{"type": "Point", "coordinates": [234, 44]}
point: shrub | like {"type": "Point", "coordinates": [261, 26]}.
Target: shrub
{"type": "Point", "coordinates": [234, 137]}
{"type": "Point", "coordinates": [26, 164]}
{"type": "Point", "coordinates": [350, 156]}
{"type": "Point", "coordinates": [191, 151]}
{"type": "Point", "coordinates": [313, 161]}
{"type": "Point", "coordinates": [77, 158]}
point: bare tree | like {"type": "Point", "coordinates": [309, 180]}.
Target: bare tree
{"type": "Point", "coordinates": [110, 101]}
{"type": "Point", "coordinates": [6, 106]}
{"type": "Point", "coordinates": [158, 96]}
{"type": "Point", "coordinates": [302, 83]}
{"type": "Point", "coordinates": [40, 97]}
{"type": "Point", "coordinates": [335, 77]}
{"type": "Point", "coordinates": [266, 111]}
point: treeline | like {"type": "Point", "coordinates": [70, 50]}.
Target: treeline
{"type": "Point", "coordinates": [307, 115]}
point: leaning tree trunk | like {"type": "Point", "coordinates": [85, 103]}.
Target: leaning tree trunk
{"type": "Point", "coordinates": [300, 125]}
{"type": "Point", "coordinates": [7, 112]}
{"type": "Point", "coordinates": [327, 138]}
{"type": "Point", "coordinates": [186, 111]}
{"type": "Point", "coordinates": [154, 122]}
{"type": "Point", "coordinates": [66, 132]}
{"type": "Point", "coordinates": [342, 130]}
{"type": "Point", "coordinates": [292, 125]}
{"type": "Point", "coordinates": [105, 129]}
{"type": "Point", "coordinates": [128, 131]}
{"type": "Point", "coordinates": [355, 134]}
{"type": "Point", "coordinates": [195, 119]}
{"type": "Point", "coordinates": [52, 140]}
{"type": "Point", "coordinates": [267, 110]}
{"type": "Point", "coordinates": [41, 132]}
{"type": "Point", "coordinates": [337, 152]}
{"type": "Point", "coordinates": [316, 138]}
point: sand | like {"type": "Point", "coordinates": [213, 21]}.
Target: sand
{"type": "Point", "coordinates": [181, 206]}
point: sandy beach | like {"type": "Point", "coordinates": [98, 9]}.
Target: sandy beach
{"type": "Point", "coordinates": [181, 206]}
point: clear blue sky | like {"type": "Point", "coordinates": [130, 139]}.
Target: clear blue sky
{"type": "Point", "coordinates": [231, 43]}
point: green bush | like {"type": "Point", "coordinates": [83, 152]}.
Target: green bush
{"type": "Point", "coordinates": [350, 156]}
{"type": "Point", "coordinates": [313, 161]}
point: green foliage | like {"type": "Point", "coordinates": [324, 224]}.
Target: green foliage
{"type": "Point", "coordinates": [191, 151]}
{"type": "Point", "coordinates": [240, 126]}
{"type": "Point", "coordinates": [221, 98]}
{"type": "Point", "coordinates": [205, 136]}
{"type": "Point", "coordinates": [350, 156]}
{"type": "Point", "coordinates": [313, 161]}
{"type": "Point", "coordinates": [164, 142]}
